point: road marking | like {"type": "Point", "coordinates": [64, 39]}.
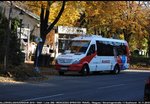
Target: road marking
{"type": "Point", "coordinates": [111, 86]}
{"type": "Point", "coordinates": [43, 97]}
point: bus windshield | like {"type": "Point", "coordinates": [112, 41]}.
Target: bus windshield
{"type": "Point", "coordinates": [77, 46]}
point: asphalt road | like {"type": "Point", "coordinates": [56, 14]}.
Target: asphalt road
{"type": "Point", "coordinates": [126, 86]}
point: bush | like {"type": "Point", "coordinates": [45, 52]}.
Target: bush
{"type": "Point", "coordinates": [140, 61]}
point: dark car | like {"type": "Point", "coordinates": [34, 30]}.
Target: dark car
{"type": "Point", "coordinates": [147, 90]}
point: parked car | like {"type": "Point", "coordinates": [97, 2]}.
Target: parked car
{"type": "Point", "coordinates": [147, 90]}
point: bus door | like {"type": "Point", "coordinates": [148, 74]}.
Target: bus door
{"type": "Point", "coordinates": [105, 55]}
{"type": "Point", "coordinates": [91, 54]}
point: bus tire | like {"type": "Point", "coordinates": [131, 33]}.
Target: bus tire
{"type": "Point", "coordinates": [61, 73]}
{"type": "Point", "coordinates": [85, 70]}
{"type": "Point", "coordinates": [116, 70]}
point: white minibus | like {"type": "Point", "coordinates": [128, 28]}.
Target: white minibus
{"type": "Point", "coordinates": [90, 53]}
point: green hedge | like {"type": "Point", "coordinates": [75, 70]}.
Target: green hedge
{"type": "Point", "coordinates": [143, 61]}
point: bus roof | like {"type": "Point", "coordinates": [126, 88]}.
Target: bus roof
{"type": "Point", "coordinates": [97, 37]}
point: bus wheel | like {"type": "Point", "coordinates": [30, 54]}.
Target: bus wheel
{"type": "Point", "coordinates": [116, 69]}
{"type": "Point", "coordinates": [85, 70]}
{"type": "Point", "coordinates": [61, 73]}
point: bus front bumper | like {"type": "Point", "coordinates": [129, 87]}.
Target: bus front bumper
{"type": "Point", "coordinates": [73, 67]}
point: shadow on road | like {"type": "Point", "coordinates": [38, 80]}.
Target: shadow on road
{"type": "Point", "coordinates": [76, 74]}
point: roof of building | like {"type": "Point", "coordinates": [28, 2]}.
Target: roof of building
{"type": "Point", "coordinates": [25, 11]}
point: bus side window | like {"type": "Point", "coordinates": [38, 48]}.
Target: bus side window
{"type": "Point", "coordinates": [104, 49]}
{"type": "Point", "coordinates": [91, 50]}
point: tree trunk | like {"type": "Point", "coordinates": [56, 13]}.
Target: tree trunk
{"type": "Point", "coordinates": [44, 28]}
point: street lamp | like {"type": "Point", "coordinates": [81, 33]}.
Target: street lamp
{"type": "Point", "coordinates": [21, 19]}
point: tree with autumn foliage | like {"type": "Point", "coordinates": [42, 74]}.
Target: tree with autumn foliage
{"type": "Point", "coordinates": [109, 16]}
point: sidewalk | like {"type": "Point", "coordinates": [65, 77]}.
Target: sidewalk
{"type": "Point", "coordinates": [137, 70]}
{"type": "Point", "coordinates": [48, 71]}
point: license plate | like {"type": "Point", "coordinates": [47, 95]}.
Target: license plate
{"type": "Point", "coordinates": [63, 68]}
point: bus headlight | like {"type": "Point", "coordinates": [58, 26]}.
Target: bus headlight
{"type": "Point", "coordinates": [76, 62]}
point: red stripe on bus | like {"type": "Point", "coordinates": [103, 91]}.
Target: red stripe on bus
{"type": "Point", "coordinates": [87, 59]}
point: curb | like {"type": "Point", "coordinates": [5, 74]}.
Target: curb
{"type": "Point", "coordinates": [134, 70]}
